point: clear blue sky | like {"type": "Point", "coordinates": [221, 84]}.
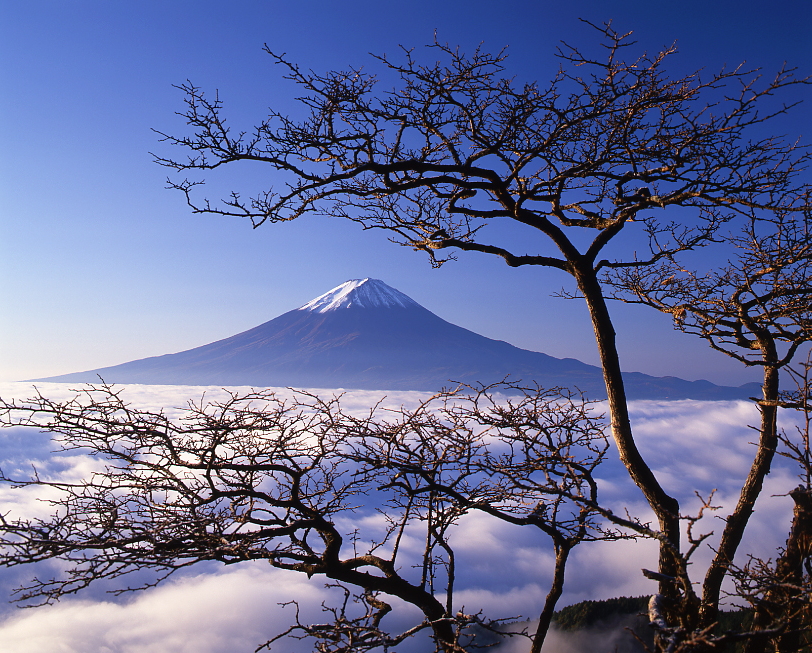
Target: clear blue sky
{"type": "Point", "coordinates": [100, 265]}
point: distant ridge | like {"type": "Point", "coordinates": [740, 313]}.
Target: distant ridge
{"type": "Point", "coordinates": [365, 334]}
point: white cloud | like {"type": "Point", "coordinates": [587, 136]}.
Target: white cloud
{"type": "Point", "coordinates": [232, 610]}
{"type": "Point", "coordinates": [504, 570]}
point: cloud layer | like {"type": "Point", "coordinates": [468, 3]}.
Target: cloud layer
{"type": "Point", "coordinates": [504, 570]}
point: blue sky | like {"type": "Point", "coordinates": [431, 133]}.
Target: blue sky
{"type": "Point", "coordinates": [99, 264]}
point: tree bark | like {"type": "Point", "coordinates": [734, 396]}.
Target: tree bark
{"type": "Point", "coordinates": [665, 507]}
{"type": "Point", "coordinates": [545, 618]}
{"type": "Point", "coordinates": [738, 519]}
{"type": "Point", "coordinates": [786, 596]}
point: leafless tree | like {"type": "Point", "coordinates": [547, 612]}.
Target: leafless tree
{"type": "Point", "coordinates": [781, 594]}
{"type": "Point", "coordinates": [256, 477]}
{"type": "Point", "coordinates": [757, 309]}
{"type": "Point", "coordinates": [535, 460]}
{"type": "Point", "coordinates": [608, 146]}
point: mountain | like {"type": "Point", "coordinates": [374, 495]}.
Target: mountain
{"type": "Point", "coordinates": [365, 334]}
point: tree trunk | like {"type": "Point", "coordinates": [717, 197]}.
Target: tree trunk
{"type": "Point", "coordinates": [738, 519]}
{"type": "Point", "coordinates": [785, 603]}
{"type": "Point", "coordinates": [545, 618]}
{"type": "Point", "coordinates": [665, 507]}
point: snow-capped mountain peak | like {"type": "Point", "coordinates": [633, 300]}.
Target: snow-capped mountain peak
{"type": "Point", "coordinates": [360, 293]}
{"type": "Point", "coordinates": [402, 347]}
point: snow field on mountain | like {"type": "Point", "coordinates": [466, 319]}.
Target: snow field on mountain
{"type": "Point", "coordinates": [359, 293]}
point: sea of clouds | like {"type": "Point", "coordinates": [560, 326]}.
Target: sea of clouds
{"type": "Point", "coordinates": [693, 446]}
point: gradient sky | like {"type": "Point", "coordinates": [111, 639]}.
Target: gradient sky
{"type": "Point", "coordinates": [99, 264]}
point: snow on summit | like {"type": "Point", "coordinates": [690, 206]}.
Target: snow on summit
{"type": "Point", "coordinates": [359, 293]}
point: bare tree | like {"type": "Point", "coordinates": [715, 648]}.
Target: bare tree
{"type": "Point", "coordinates": [608, 146]}
{"type": "Point", "coordinates": [757, 309]}
{"type": "Point", "coordinates": [535, 460]}
{"type": "Point", "coordinates": [256, 477]}
{"type": "Point", "coordinates": [781, 594]}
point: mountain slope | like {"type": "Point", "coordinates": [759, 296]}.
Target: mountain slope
{"type": "Point", "coordinates": [365, 334]}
